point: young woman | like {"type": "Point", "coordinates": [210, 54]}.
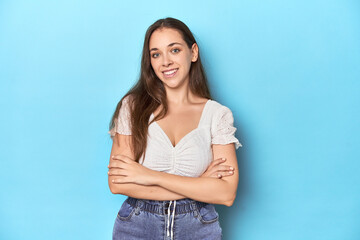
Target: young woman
{"type": "Point", "coordinates": [170, 144]}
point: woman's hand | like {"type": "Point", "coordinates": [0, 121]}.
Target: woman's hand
{"type": "Point", "coordinates": [129, 171]}
{"type": "Point", "coordinates": [216, 170]}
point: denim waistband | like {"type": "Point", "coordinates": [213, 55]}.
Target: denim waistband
{"type": "Point", "coordinates": [161, 207]}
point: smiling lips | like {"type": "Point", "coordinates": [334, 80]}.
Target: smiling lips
{"type": "Point", "coordinates": [170, 73]}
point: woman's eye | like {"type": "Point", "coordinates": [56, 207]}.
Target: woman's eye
{"type": "Point", "coordinates": [175, 50]}
{"type": "Point", "coordinates": [155, 55]}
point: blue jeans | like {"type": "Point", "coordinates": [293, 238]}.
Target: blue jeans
{"type": "Point", "coordinates": [157, 220]}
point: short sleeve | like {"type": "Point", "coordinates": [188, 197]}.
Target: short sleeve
{"type": "Point", "coordinates": [122, 124]}
{"type": "Point", "coordinates": [223, 130]}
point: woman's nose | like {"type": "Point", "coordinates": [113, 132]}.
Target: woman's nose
{"type": "Point", "coordinates": [166, 60]}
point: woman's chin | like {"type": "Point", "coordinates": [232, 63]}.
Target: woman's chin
{"type": "Point", "coordinates": [173, 83]}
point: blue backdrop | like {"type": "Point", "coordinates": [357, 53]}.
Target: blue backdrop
{"type": "Point", "coordinates": [289, 71]}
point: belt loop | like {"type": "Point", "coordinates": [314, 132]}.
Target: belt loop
{"type": "Point", "coordinates": [137, 206]}
{"type": "Point", "coordinates": [195, 209]}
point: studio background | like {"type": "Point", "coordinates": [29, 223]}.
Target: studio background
{"type": "Point", "coordinates": [289, 71]}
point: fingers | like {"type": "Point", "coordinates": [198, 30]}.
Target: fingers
{"type": "Point", "coordinates": [222, 174]}
{"type": "Point", "coordinates": [222, 171]}
{"type": "Point", "coordinates": [121, 157]}
{"type": "Point", "coordinates": [226, 173]}
{"type": "Point", "coordinates": [119, 160]}
{"type": "Point", "coordinates": [223, 168]}
{"type": "Point", "coordinates": [218, 161]}
{"type": "Point", "coordinates": [121, 180]}
{"type": "Point", "coordinates": [116, 164]}
{"type": "Point", "coordinates": [218, 170]}
{"type": "Point", "coordinates": [116, 172]}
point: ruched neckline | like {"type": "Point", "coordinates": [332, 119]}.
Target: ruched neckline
{"type": "Point", "coordinates": [186, 135]}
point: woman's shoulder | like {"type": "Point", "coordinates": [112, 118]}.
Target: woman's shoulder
{"type": "Point", "coordinates": [128, 101]}
{"type": "Point", "coordinates": [219, 111]}
{"type": "Point", "coordinates": [217, 106]}
{"type": "Point", "coordinates": [222, 125]}
{"type": "Point", "coordinates": [128, 97]}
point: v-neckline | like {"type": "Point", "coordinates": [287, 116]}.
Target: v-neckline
{"type": "Point", "coordinates": [186, 135]}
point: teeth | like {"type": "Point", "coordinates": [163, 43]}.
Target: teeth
{"type": "Point", "coordinates": [170, 72]}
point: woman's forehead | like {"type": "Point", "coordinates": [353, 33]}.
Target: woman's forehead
{"type": "Point", "coordinates": [162, 37]}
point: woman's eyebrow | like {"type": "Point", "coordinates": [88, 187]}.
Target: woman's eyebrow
{"type": "Point", "coordinates": [170, 45]}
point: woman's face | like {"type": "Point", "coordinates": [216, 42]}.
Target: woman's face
{"type": "Point", "coordinates": [170, 57]}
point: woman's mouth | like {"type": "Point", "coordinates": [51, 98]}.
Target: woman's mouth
{"type": "Point", "coordinates": [170, 73]}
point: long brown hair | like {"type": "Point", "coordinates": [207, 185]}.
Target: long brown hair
{"type": "Point", "coordinates": [148, 93]}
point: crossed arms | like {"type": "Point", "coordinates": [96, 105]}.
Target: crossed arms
{"type": "Point", "coordinates": [132, 179]}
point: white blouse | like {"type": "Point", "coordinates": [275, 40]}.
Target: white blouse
{"type": "Point", "coordinates": [193, 153]}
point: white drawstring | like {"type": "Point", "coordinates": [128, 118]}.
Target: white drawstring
{"type": "Point", "coordinates": [172, 221]}
{"type": "Point", "coordinates": [168, 219]}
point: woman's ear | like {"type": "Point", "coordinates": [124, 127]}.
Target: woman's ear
{"type": "Point", "coordinates": [194, 52]}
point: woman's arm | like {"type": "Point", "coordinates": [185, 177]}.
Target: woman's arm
{"type": "Point", "coordinates": [122, 145]}
{"type": "Point", "coordinates": [152, 192]}
{"type": "Point", "coordinates": [210, 190]}
{"type": "Point", "coordinates": [145, 192]}
{"type": "Point", "coordinates": [155, 192]}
